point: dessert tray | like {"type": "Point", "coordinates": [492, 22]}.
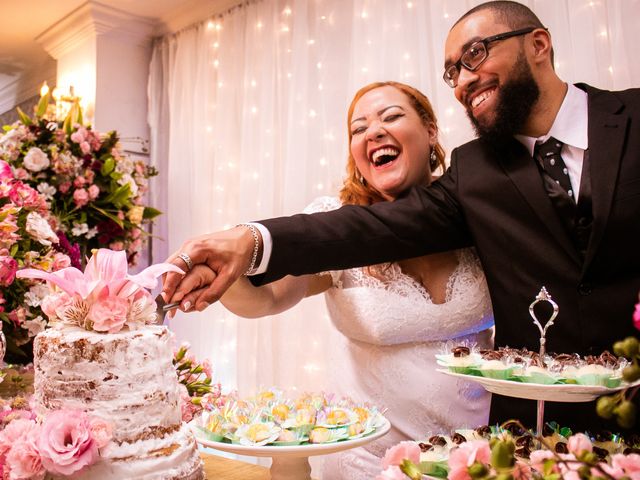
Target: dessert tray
{"type": "Point", "coordinates": [535, 391]}
{"type": "Point", "coordinates": [289, 430]}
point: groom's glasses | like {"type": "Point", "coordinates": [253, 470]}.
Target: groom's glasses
{"type": "Point", "coordinates": [476, 54]}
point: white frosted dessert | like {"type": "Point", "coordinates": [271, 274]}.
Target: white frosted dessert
{"type": "Point", "coordinates": [127, 379]}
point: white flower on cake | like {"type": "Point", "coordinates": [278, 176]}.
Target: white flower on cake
{"type": "Point", "coordinates": [105, 297]}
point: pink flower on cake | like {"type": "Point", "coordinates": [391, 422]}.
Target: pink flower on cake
{"type": "Point", "coordinates": [101, 432]}
{"type": "Point", "coordinates": [109, 313]}
{"type": "Point", "coordinates": [66, 445]}
{"type": "Point", "coordinates": [538, 458]}
{"type": "Point", "coordinates": [105, 290]}
{"type": "Point", "coordinates": [8, 268]}
{"type": "Point", "coordinates": [395, 455]}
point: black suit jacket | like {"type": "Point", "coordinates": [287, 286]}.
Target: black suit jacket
{"type": "Point", "coordinates": [494, 199]}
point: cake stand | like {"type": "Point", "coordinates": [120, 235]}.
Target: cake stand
{"type": "Point", "coordinates": [292, 462]}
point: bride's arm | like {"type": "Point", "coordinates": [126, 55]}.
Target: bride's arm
{"type": "Point", "coordinates": [249, 301]}
{"type": "Point", "coordinates": [246, 300]}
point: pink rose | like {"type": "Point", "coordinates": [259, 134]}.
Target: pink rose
{"type": "Point", "coordinates": [64, 187]}
{"type": "Point", "coordinates": [18, 316]}
{"type": "Point", "coordinates": [79, 135]}
{"type": "Point", "coordinates": [21, 174]}
{"type": "Point", "coordinates": [60, 260]}
{"type": "Point", "coordinates": [81, 197]}
{"type": "Point", "coordinates": [8, 268]}
{"type": "Point", "coordinates": [578, 443]}
{"type": "Point", "coordinates": [79, 182]}
{"type": "Point", "coordinates": [101, 432]}
{"type": "Point", "coordinates": [636, 316]}
{"type": "Point", "coordinates": [85, 147]}
{"type": "Point", "coordinates": [392, 473]}
{"type": "Point", "coordinates": [65, 443]}
{"type": "Point", "coordinates": [24, 458]}
{"type": "Point", "coordinates": [109, 313]}
{"type": "Point", "coordinates": [396, 454]}
{"type": "Point", "coordinates": [466, 455]}
{"type": "Point", "coordinates": [5, 171]}
{"type": "Point", "coordinates": [93, 191]}
{"type": "Point", "coordinates": [12, 433]}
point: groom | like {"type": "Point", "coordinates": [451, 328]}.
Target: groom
{"type": "Point", "coordinates": [564, 214]}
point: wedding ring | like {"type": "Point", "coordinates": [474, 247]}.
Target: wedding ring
{"type": "Point", "coordinates": [187, 260]}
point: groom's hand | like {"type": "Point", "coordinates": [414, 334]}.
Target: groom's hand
{"type": "Point", "coordinates": [227, 254]}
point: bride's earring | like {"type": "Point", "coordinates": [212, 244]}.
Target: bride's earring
{"type": "Point", "coordinates": [433, 160]}
{"type": "Point", "coordinates": [360, 178]}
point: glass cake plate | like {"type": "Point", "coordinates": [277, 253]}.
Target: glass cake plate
{"type": "Point", "coordinates": [535, 391]}
{"type": "Point", "coordinates": [292, 462]}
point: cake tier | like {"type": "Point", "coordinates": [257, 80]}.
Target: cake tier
{"type": "Point", "coordinates": [128, 379]}
{"type": "Point", "coordinates": [173, 457]}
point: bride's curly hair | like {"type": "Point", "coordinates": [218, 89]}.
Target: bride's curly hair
{"type": "Point", "coordinates": [356, 192]}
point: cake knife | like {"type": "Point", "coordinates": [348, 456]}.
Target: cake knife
{"type": "Point", "coordinates": [162, 308]}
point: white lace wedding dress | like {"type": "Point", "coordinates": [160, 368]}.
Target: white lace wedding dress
{"type": "Point", "coordinates": [383, 352]}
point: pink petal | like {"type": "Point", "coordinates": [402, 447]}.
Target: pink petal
{"type": "Point", "coordinates": [148, 278]}
{"type": "Point", "coordinates": [69, 279]}
{"type": "Point", "coordinates": [107, 265]}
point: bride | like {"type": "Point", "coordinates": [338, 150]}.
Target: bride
{"type": "Point", "coordinates": [392, 318]}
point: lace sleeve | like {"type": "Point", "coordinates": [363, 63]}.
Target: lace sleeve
{"type": "Point", "coordinates": [326, 204]}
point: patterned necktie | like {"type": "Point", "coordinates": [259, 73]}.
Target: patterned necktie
{"type": "Point", "coordinates": [554, 170]}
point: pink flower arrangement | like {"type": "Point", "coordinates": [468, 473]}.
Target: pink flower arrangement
{"type": "Point", "coordinates": [105, 297]}
{"type": "Point", "coordinates": [64, 442]}
{"type": "Point", "coordinates": [27, 238]}
{"type": "Point", "coordinates": [88, 182]}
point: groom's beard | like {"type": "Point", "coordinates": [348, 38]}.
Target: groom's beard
{"type": "Point", "coordinates": [516, 99]}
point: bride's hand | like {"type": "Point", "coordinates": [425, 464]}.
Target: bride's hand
{"type": "Point", "coordinates": [228, 255]}
{"type": "Point", "coordinates": [192, 286]}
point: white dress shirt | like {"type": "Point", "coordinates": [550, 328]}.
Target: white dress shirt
{"type": "Point", "coordinates": [569, 126]}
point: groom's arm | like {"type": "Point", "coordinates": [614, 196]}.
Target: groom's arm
{"type": "Point", "coordinates": [425, 220]}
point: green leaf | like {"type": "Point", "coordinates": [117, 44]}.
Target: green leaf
{"type": "Point", "coordinates": [150, 212]}
{"type": "Point", "coordinates": [14, 249]}
{"type": "Point", "coordinates": [24, 118]}
{"type": "Point", "coordinates": [42, 105]}
{"type": "Point", "coordinates": [67, 125]}
{"type": "Point", "coordinates": [108, 166]}
{"type": "Point", "coordinates": [434, 469]}
{"type": "Point", "coordinates": [108, 215]}
{"type": "Point", "coordinates": [120, 196]}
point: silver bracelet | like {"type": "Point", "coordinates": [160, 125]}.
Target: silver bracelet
{"type": "Point", "coordinates": [256, 246]}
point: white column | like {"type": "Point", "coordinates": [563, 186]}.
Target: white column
{"type": "Point", "coordinates": [104, 54]}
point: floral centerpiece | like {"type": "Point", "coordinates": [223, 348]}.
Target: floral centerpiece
{"type": "Point", "coordinates": [94, 191]}
{"type": "Point", "coordinates": [26, 240]}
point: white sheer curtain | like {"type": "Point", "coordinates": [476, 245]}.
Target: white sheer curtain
{"type": "Point", "coordinates": [248, 115]}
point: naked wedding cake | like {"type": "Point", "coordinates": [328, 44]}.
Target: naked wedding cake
{"type": "Point", "coordinates": [104, 357]}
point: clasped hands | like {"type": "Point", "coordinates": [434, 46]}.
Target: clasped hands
{"type": "Point", "coordinates": [217, 261]}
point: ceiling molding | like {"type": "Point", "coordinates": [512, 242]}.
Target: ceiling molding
{"type": "Point", "coordinates": [26, 85]}
{"type": "Point", "coordinates": [91, 20]}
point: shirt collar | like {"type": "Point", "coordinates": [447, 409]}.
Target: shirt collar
{"type": "Point", "coordinates": [570, 124]}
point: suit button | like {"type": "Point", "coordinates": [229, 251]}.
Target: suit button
{"type": "Point", "coordinates": [585, 289]}
{"type": "Point", "coordinates": [583, 221]}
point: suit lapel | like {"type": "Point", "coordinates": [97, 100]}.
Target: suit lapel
{"type": "Point", "coordinates": [607, 131]}
{"type": "Point", "coordinates": [522, 171]}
